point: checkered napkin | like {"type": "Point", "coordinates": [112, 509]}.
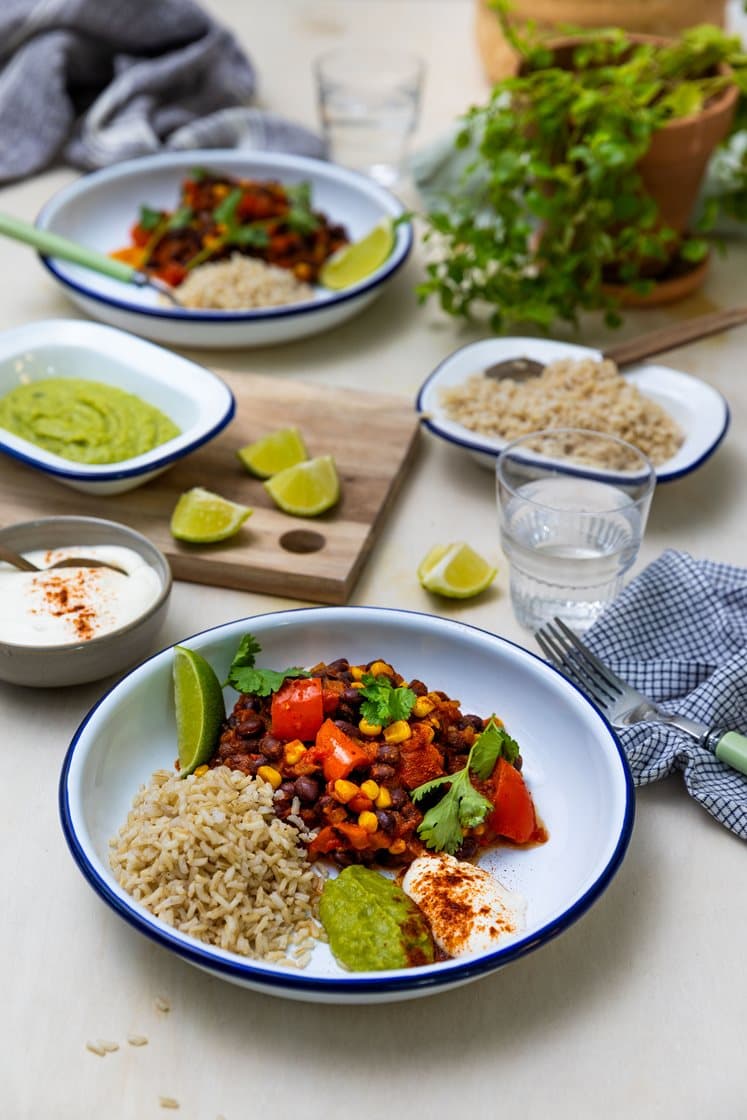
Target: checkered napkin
{"type": "Point", "coordinates": [678, 633]}
{"type": "Point", "coordinates": [91, 82]}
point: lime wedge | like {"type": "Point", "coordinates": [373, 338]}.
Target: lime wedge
{"type": "Point", "coordinates": [200, 711]}
{"type": "Point", "coordinates": [274, 452]}
{"type": "Point", "coordinates": [201, 517]}
{"type": "Point", "coordinates": [355, 262]}
{"type": "Point", "coordinates": [306, 489]}
{"type": "Point", "coordinates": [455, 570]}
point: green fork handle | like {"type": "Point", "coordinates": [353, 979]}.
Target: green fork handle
{"type": "Point", "coordinates": [730, 747]}
{"type": "Point", "coordinates": [53, 245]}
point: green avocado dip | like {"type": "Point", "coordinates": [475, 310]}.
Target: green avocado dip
{"type": "Point", "coordinates": [85, 421]}
{"type": "Point", "coordinates": [372, 924]}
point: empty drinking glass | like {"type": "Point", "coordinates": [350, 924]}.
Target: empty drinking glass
{"type": "Point", "coordinates": [573, 505]}
{"type": "Point", "coordinates": [369, 101]}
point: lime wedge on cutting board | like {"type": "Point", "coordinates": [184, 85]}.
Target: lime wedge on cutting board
{"type": "Point", "coordinates": [200, 711]}
{"type": "Point", "coordinates": [201, 517]}
{"type": "Point", "coordinates": [274, 452]}
{"type": "Point", "coordinates": [456, 571]}
{"type": "Point", "coordinates": [355, 262]}
{"type": "Point", "coordinates": [307, 489]}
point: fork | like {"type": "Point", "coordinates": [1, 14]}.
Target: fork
{"type": "Point", "coordinates": [624, 705]}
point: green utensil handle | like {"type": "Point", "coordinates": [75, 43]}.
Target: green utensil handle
{"type": "Point", "coordinates": [54, 245]}
{"type": "Point", "coordinates": [732, 749]}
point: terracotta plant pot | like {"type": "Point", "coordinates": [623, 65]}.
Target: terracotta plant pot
{"type": "Point", "coordinates": [653, 17]}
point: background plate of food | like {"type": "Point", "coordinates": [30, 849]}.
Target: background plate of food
{"type": "Point", "coordinates": [674, 418]}
{"type": "Point", "coordinates": [385, 761]}
{"type": "Point", "coordinates": [225, 228]}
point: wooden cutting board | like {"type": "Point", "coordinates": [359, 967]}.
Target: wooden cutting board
{"type": "Point", "coordinates": [372, 437]}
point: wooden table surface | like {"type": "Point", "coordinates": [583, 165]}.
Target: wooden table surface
{"type": "Point", "coordinates": [638, 1010]}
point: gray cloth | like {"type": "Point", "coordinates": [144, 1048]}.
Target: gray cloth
{"type": "Point", "coordinates": [91, 82]}
{"type": "Point", "coordinates": [678, 633]}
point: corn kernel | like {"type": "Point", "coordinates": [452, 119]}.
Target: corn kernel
{"type": "Point", "coordinates": [398, 731]}
{"type": "Point", "coordinates": [384, 798]}
{"type": "Point", "coordinates": [478, 830]}
{"type": "Point", "coordinates": [271, 775]}
{"type": "Point", "coordinates": [357, 672]}
{"type": "Point", "coordinates": [379, 667]}
{"type": "Point", "coordinates": [370, 788]}
{"type": "Point", "coordinates": [357, 684]}
{"type": "Point", "coordinates": [368, 821]}
{"type": "Point", "coordinates": [345, 791]}
{"type": "Point", "coordinates": [397, 847]}
{"type": "Point", "coordinates": [294, 751]}
{"type": "Point", "coordinates": [422, 707]}
{"type": "Point", "coordinates": [367, 728]}
{"type": "Point", "coordinates": [200, 771]}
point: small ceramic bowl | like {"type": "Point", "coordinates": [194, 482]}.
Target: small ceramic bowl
{"type": "Point", "coordinates": [197, 401]}
{"type": "Point", "coordinates": [79, 662]}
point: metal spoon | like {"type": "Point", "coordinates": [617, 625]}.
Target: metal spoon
{"type": "Point", "coordinates": [645, 346]}
{"type": "Point", "coordinates": [25, 565]}
{"type": "Point", "coordinates": [53, 245]}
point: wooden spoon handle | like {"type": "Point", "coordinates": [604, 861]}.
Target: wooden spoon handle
{"type": "Point", "coordinates": [667, 338]}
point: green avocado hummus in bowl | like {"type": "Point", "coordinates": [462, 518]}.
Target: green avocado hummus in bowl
{"type": "Point", "coordinates": [85, 421]}
{"type": "Point", "coordinates": [102, 410]}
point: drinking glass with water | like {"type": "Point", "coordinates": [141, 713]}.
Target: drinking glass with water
{"type": "Point", "coordinates": [573, 506]}
{"type": "Point", "coordinates": [369, 100]}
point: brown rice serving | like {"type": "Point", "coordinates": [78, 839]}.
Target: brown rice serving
{"type": "Point", "coordinates": [208, 855]}
{"type": "Point", "coordinates": [567, 394]}
{"type": "Point", "coordinates": [241, 283]}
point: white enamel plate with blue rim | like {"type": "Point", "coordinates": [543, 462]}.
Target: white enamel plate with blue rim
{"type": "Point", "coordinates": [573, 765]}
{"type": "Point", "coordinates": [701, 411]}
{"type": "Point", "coordinates": [98, 210]}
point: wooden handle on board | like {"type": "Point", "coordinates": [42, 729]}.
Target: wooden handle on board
{"type": "Point", "coordinates": [667, 338]}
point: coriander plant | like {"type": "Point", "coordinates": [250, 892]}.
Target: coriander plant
{"type": "Point", "coordinates": [552, 209]}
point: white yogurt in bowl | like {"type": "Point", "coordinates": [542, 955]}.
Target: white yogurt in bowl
{"type": "Point", "coordinates": [68, 626]}
{"type": "Point", "coordinates": [59, 605]}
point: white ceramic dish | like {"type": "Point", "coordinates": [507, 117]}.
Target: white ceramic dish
{"type": "Point", "coordinates": [198, 402]}
{"type": "Point", "coordinates": [98, 210]}
{"type": "Point", "coordinates": [78, 662]}
{"type": "Point", "coordinates": [572, 763]}
{"type": "Point", "coordinates": [701, 411]}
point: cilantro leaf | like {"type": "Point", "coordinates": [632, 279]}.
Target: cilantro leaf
{"type": "Point", "coordinates": [382, 702]}
{"type": "Point", "coordinates": [488, 747]}
{"type": "Point", "coordinates": [149, 218]}
{"type": "Point", "coordinates": [251, 235]}
{"type": "Point", "coordinates": [259, 682]}
{"type": "Point", "coordinates": [463, 807]}
{"type": "Point", "coordinates": [180, 218]}
{"type": "Point", "coordinates": [225, 211]}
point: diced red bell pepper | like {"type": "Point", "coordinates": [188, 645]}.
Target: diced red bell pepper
{"type": "Point", "coordinates": [297, 711]}
{"type": "Point", "coordinates": [513, 814]}
{"type": "Point", "coordinates": [336, 751]}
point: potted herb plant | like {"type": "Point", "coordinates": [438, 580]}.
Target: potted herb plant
{"type": "Point", "coordinates": [583, 175]}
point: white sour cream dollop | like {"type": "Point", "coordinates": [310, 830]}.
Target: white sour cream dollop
{"type": "Point", "coordinates": [73, 605]}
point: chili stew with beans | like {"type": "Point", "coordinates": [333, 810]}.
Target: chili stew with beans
{"type": "Point", "coordinates": [217, 215]}
{"type": "Point", "coordinates": [345, 747]}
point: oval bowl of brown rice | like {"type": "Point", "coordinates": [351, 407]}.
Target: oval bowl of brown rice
{"type": "Point", "coordinates": [676, 419]}
{"type": "Point", "coordinates": [203, 867]}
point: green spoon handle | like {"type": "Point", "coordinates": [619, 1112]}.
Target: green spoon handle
{"type": "Point", "coordinates": [731, 748]}
{"type": "Point", "coordinates": [54, 245]}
